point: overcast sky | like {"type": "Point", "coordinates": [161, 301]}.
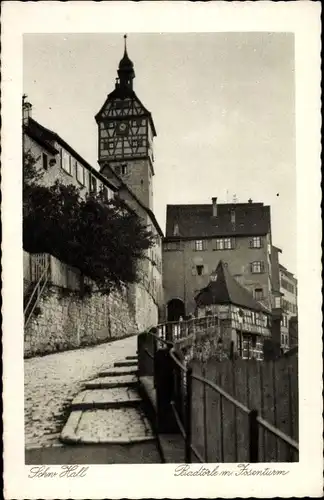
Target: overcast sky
{"type": "Point", "coordinates": [222, 103]}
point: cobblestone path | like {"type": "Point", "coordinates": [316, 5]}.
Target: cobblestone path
{"type": "Point", "coordinates": [51, 383]}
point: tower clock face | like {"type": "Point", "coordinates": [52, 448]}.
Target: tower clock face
{"type": "Point", "coordinates": [122, 128]}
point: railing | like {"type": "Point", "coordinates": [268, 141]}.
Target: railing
{"type": "Point", "coordinates": [183, 405]}
{"type": "Point", "coordinates": [176, 330]}
{"type": "Point", "coordinates": [36, 294]}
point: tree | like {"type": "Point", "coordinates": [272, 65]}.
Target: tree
{"type": "Point", "coordinates": [103, 239]}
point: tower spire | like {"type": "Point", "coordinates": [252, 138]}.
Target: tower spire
{"type": "Point", "coordinates": [125, 44]}
{"type": "Point", "coordinates": [126, 69]}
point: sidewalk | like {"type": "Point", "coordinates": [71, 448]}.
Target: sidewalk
{"type": "Point", "coordinates": [52, 381]}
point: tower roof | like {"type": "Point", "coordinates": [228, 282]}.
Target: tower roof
{"type": "Point", "coordinates": [224, 289]}
{"type": "Point", "coordinates": [125, 63]}
{"type": "Point", "coordinates": [125, 70]}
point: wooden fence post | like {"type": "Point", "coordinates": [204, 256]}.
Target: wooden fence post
{"type": "Point", "coordinates": [254, 436]}
{"type": "Point", "coordinates": [164, 380]}
{"type": "Point", "coordinates": [188, 416]}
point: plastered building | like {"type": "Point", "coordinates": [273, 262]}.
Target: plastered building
{"type": "Point", "coordinates": [198, 237]}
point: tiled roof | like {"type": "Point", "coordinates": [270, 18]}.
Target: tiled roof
{"type": "Point", "coordinates": [42, 135]}
{"type": "Point", "coordinates": [197, 221]}
{"type": "Point", "coordinates": [224, 289]}
{"type": "Point", "coordinates": [47, 138]}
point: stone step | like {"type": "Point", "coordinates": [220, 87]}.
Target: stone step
{"type": "Point", "coordinates": [113, 426]}
{"type": "Point", "coordinates": [110, 382]}
{"type": "Point", "coordinates": [106, 398]}
{"type": "Point", "coordinates": [117, 371]}
{"type": "Point", "coordinates": [132, 357]}
{"type": "Point", "coordinates": [126, 362]}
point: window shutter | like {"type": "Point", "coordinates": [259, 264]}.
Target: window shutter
{"type": "Point", "coordinates": [233, 242]}
{"type": "Point", "coordinates": [262, 267]}
{"type": "Point", "coordinates": [205, 244]}
{"type": "Point", "coordinates": [193, 244]}
{"type": "Point", "coordinates": [251, 243]}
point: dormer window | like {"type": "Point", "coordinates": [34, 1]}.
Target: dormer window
{"type": "Point", "coordinates": [176, 230]}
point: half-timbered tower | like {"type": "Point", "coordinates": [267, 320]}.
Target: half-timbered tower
{"type": "Point", "coordinates": [125, 132]}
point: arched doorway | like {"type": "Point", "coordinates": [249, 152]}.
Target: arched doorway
{"type": "Point", "coordinates": [176, 309]}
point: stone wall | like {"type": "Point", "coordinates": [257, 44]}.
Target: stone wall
{"type": "Point", "coordinates": [63, 320]}
{"type": "Point", "coordinates": [144, 306]}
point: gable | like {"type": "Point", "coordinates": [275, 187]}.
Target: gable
{"type": "Point", "coordinates": [123, 105]}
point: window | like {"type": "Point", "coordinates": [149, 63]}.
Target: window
{"type": "Point", "coordinates": [176, 230]}
{"type": "Point", "coordinates": [228, 243]}
{"type": "Point", "coordinates": [124, 169]}
{"type": "Point", "coordinates": [172, 245]}
{"type": "Point", "coordinates": [219, 244]}
{"type": "Point", "coordinates": [224, 244]}
{"type": "Point", "coordinates": [93, 187]}
{"type": "Point", "coordinates": [199, 245]}
{"type": "Point", "coordinates": [110, 193]}
{"type": "Point", "coordinates": [200, 270]}
{"type": "Point", "coordinates": [277, 302]}
{"type": "Point", "coordinates": [284, 340]}
{"type": "Point", "coordinates": [250, 347]}
{"type": "Point", "coordinates": [87, 177]}
{"type": "Point", "coordinates": [258, 294]}
{"type": "Point", "coordinates": [137, 142]}
{"type": "Point", "coordinates": [79, 173]}
{"type": "Point", "coordinates": [287, 286]}
{"type": "Point", "coordinates": [45, 161]}
{"type": "Point", "coordinates": [256, 242]}
{"type": "Point", "coordinates": [66, 161]}
{"type": "Point", "coordinates": [284, 321]}
{"type": "Point", "coordinates": [104, 192]}
{"type": "Point", "coordinates": [257, 267]}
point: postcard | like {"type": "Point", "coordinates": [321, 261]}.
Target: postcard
{"type": "Point", "coordinates": [161, 250]}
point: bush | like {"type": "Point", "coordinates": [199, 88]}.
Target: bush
{"type": "Point", "coordinates": [104, 240]}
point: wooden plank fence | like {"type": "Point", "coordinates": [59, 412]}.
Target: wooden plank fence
{"type": "Point", "coordinates": [220, 432]}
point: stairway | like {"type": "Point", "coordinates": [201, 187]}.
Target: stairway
{"type": "Point", "coordinates": [109, 409]}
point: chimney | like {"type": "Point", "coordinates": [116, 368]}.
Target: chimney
{"type": "Point", "coordinates": [27, 112]}
{"type": "Point", "coordinates": [250, 200]}
{"type": "Point", "coordinates": [214, 203]}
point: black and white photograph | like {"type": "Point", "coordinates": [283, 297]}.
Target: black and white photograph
{"type": "Point", "coordinates": [161, 268]}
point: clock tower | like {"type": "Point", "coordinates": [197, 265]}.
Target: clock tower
{"type": "Point", "coordinates": [126, 131]}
